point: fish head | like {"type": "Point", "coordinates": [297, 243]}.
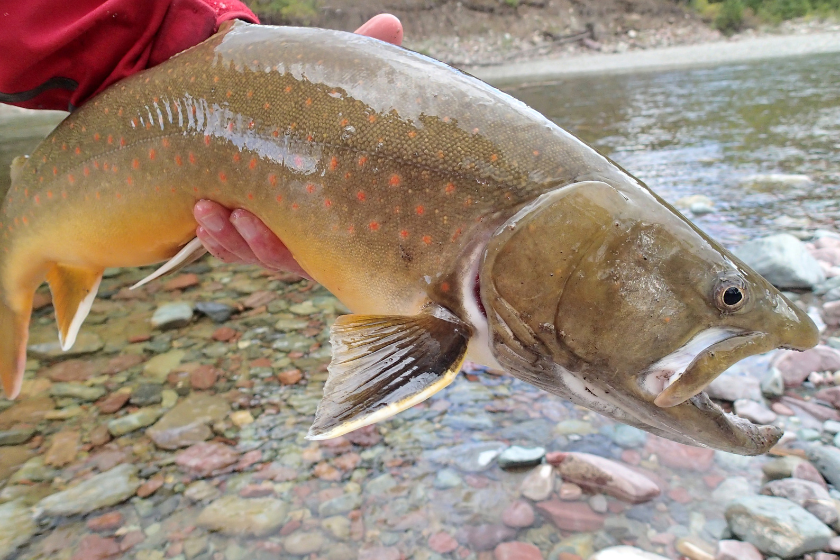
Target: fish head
{"type": "Point", "coordinates": [609, 297]}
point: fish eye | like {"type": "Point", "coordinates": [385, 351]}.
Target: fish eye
{"type": "Point", "coordinates": [730, 295]}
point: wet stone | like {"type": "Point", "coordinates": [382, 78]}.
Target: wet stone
{"type": "Point", "coordinates": [201, 490]}
{"type": "Point", "coordinates": [340, 504]}
{"type": "Point", "coordinates": [202, 459]}
{"type": "Point", "coordinates": [783, 260]}
{"type": "Point", "coordinates": [189, 421]}
{"type": "Point", "coordinates": [571, 516]}
{"type": "Point", "coordinates": [63, 448]}
{"type": "Point", "coordinates": [16, 528]}
{"type": "Point", "coordinates": [134, 421]}
{"type": "Point", "coordinates": [76, 391]}
{"type": "Point", "coordinates": [485, 537]}
{"type": "Point", "coordinates": [598, 474]}
{"type": "Point", "coordinates": [232, 515]}
{"type": "Point", "coordinates": [518, 514]}
{"type": "Point", "coordinates": [810, 495]}
{"type": "Point", "coordinates": [86, 343]}
{"type": "Point", "coordinates": [628, 437]}
{"type": "Point", "coordinates": [16, 436]}
{"type": "Point", "coordinates": [518, 457]}
{"type": "Point", "coordinates": [539, 484]}
{"type": "Point", "coordinates": [470, 457]}
{"type": "Point", "coordinates": [146, 394]}
{"type": "Point", "coordinates": [158, 367]}
{"type": "Point", "coordinates": [172, 315]}
{"type": "Point", "coordinates": [113, 402]}
{"type": "Point", "coordinates": [102, 490]}
{"type": "Point", "coordinates": [625, 553]}
{"type": "Point", "coordinates": [338, 526]}
{"type": "Point", "coordinates": [300, 543]}
{"type": "Point", "coordinates": [754, 411]}
{"type": "Point", "coordinates": [827, 461]}
{"type": "Point", "coordinates": [447, 478]}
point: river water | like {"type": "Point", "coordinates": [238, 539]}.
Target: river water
{"type": "Point", "coordinates": [426, 484]}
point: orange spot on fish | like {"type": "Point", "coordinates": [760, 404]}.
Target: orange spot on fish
{"type": "Point", "coordinates": [236, 157]}
{"type": "Point", "coordinates": [64, 194]}
{"type": "Point", "coordinates": [427, 239]}
{"type": "Point", "coordinates": [457, 234]}
{"type": "Point", "coordinates": [97, 195]}
{"type": "Point", "coordinates": [347, 175]}
{"type": "Point", "coordinates": [404, 233]}
{"type": "Point", "coordinates": [362, 160]}
{"type": "Point", "coordinates": [450, 188]}
{"type": "Point", "coordinates": [122, 141]}
{"type": "Point", "coordinates": [361, 196]}
{"type": "Point", "coordinates": [266, 105]}
{"type": "Point", "coordinates": [373, 226]}
{"type": "Point", "coordinates": [86, 171]}
{"type": "Point", "coordinates": [191, 157]}
{"type": "Point", "coordinates": [494, 157]}
{"type": "Point", "coordinates": [206, 139]}
{"type": "Point", "coordinates": [308, 102]}
{"type": "Point", "coordinates": [78, 150]}
{"type": "Point", "coordinates": [129, 180]}
{"type": "Point", "coordinates": [395, 180]}
{"type": "Point", "coordinates": [253, 163]}
{"type": "Point", "coordinates": [327, 202]}
{"type": "Point", "coordinates": [412, 134]}
{"type": "Point", "coordinates": [105, 166]}
{"type": "Point", "coordinates": [55, 170]}
{"type": "Point", "coordinates": [134, 121]}
{"type": "Point", "coordinates": [276, 133]}
{"type": "Point", "coordinates": [25, 220]}
{"type": "Point", "coordinates": [229, 93]}
{"type": "Point", "coordinates": [110, 139]}
{"type": "Point", "coordinates": [445, 119]}
{"type": "Point", "coordinates": [49, 194]}
{"type": "Point", "coordinates": [273, 180]}
{"type": "Point", "coordinates": [64, 147]}
{"type": "Point", "coordinates": [536, 152]}
{"type": "Point", "coordinates": [310, 188]}
{"type": "Point", "coordinates": [152, 154]}
{"type": "Point", "coordinates": [165, 142]}
{"type": "Point", "coordinates": [71, 179]}
{"type": "Point", "coordinates": [178, 160]}
{"type": "Point", "coordinates": [344, 122]}
{"type": "Point", "coordinates": [230, 126]}
{"type": "Point", "coordinates": [37, 199]}
{"type": "Point", "coordinates": [288, 89]}
{"type": "Point", "coordinates": [440, 154]}
{"type": "Point", "coordinates": [96, 137]}
{"type": "Point", "coordinates": [444, 287]}
{"type": "Point", "coordinates": [118, 195]}
{"type": "Point", "coordinates": [215, 79]}
{"type": "Point", "coordinates": [135, 163]}
{"type": "Point", "coordinates": [96, 164]}
{"type": "Point", "coordinates": [222, 176]}
{"type": "Point", "coordinates": [420, 210]}
{"type": "Point", "coordinates": [250, 196]}
{"type": "Point", "coordinates": [298, 162]}
{"type": "Point", "coordinates": [372, 118]}
{"type": "Point", "coordinates": [250, 94]}
{"type": "Point", "coordinates": [279, 198]}
{"type": "Point", "coordinates": [295, 206]}
{"type": "Point", "coordinates": [351, 229]}
{"type": "Point", "coordinates": [333, 163]}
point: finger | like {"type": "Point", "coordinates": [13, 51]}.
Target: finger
{"type": "Point", "coordinates": [384, 27]}
{"type": "Point", "coordinates": [214, 248]}
{"type": "Point", "coordinates": [267, 247]}
{"type": "Point", "coordinates": [215, 219]}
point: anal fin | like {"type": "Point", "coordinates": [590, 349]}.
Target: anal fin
{"type": "Point", "coordinates": [383, 364]}
{"type": "Point", "coordinates": [188, 254]}
{"type": "Point", "coordinates": [73, 291]}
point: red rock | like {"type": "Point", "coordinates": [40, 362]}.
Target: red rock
{"type": "Point", "coordinates": [797, 366]}
{"type": "Point", "coordinates": [485, 537]}
{"type": "Point", "coordinates": [712, 481]}
{"type": "Point", "coordinates": [131, 539]}
{"type": "Point", "coordinates": [276, 473]}
{"type": "Point", "coordinates": [737, 550]}
{"type": "Point", "coordinates": [807, 471]}
{"type": "Point", "coordinates": [680, 495]}
{"type": "Point", "coordinates": [94, 547]}
{"type": "Point", "coordinates": [782, 409]}
{"type": "Point", "coordinates": [107, 522]}
{"type": "Point", "coordinates": [113, 402]}
{"type": "Point", "coordinates": [821, 413]}
{"type": "Point", "coordinates": [347, 461]}
{"type": "Point", "coordinates": [122, 362]}
{"type": "Point", "coordinates": [380, 553]}
{"type": "Point", "coordinates": [181, 282]}
{"type": "Point", "coordinates": [442, 543]}
{"type": "Point", "coordinates": [825, 556]}
{"type": "Point", "coordinates": [290, 376]}
{"type": "Point", "coordinates": [99, 435]}
{"type": "Point", "coordinates": [597, 474]}
{"type": "Point", "coordinates": [364, 437]}
{"type": "Point", "coordinates": [248, 459]}
{"type": "Point", "coordinates": [290, 527]}
{"type": "Point", "coordinates": [259, 298]}
{"type": "Point", "coordinates": [516, 550]}
{"type": "Point", "coordinates": [175, 549]}
{"type": "Point", "coordinates": [203, 377]}
{"type": "Point", "coordinates": [518, 514]}
{"type": "Point", "coordinates": [223, 334]}
{"type": "Point", "coordinates": [679, 456]}
{"type": "Point", "coordinates": [260, 362]}
{"type": "Point", "coordinates": [830, 255]}
{"type": "Point", "coordinates": [571, 516]}
{"type": "Point", "coordinates": [257, 490]}
{"type": "Point", "coordinates": [106, 459]}
{"type": "Point", "coordinates": [477, 481]}
{"type": "Point", "coordinates": [63, 448]}
{"type": "Point", "coordinates": [150, 486]}
{"type": "Point", "coordinates": [73, 370]}
{"type": "Point", "coordinates": [325, 471]}
{"type": "Point", "coordinates": [830, 395]}
{"type": "Point", "coordinates": [631, 456]}
{"type": "Point", "coordinates": [204, 458]}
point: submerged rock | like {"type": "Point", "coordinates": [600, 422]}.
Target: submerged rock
{"type": "Point", "coordinates": [516, 457]}
{"type": "Point", "coordinates": [189, 422]}
{"type": "Point", "coordinates": [776, 526]}
{"type": "Point", "coordinates": [625, 553]}
{"type": "Point", "coordinates": [810, 495]}
{"type": "Point", "coordinates": [172, 315]}
{"type": "Point", "coordinates": [737, 550]}
{"type": "Point", "coordinates": [134, 421]}
{"type": "Point", "coordinates": [539, 484]}
{"type": "Point", "coordinates": [783, 260]}
{"type": "Point", "coordinates": [218, 312]}
{"type": "Point", "coordinates": [232, 515]}
{"type": "Point", "coordinates": [754, 411]}
{"type": "Point", "coordinates": [598, 474]}
{"type": "Point", "coordinates": [103, 490]}
{"type": "Point", "coordinates": [827, 461]}
{"type": "Point", "coordinates": [16, 528]}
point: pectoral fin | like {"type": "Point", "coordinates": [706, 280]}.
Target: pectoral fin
{"type": "Point", "coordinates": [384, 364]}
{"type": "Point", "coordinates": [190, 253]}
{"type": "Point", "coordinates": [73, 291]}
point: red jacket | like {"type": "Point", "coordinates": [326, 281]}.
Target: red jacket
{"type": "Point", "coordinates": [57, 54]}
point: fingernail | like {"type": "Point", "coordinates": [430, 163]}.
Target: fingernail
{"type": "Point", "coordinates": [212, 222]}
{"type": "Point", "coordinates": [244, 224]}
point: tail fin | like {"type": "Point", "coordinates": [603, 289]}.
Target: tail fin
{"type": "Point", "coordinates": [14, 332]}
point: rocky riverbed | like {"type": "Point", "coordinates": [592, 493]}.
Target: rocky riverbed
{"type": "Point", "coordinates": [175, 429]}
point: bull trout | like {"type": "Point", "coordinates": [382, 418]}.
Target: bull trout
{"type": "Point", "coordinates": [456, 222]}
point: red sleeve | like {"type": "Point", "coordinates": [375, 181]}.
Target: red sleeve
{"type": "Point", "coordinates": [57, 54]}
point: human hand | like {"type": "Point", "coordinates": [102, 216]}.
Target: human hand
{"type": "Point", "coordinates": [238, 235]}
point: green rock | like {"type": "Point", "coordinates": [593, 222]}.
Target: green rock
{"type": "Point", "coordinates": [103, 490]}
{"type": "Point", "coordinates": [189, 421]}
{"type": "Point", "coordinates": [76, 391]}
{"type": "Point", "coordinates": [134, 421]}
{"type": "Point", "coordinates": [162, 365]}
{"type": "Point", "coordinates": [16, 436]}
{"type": "Point", "coordinates": [233, 515]}
{"type": "Point", "coordinates": [86, 343]}
{"type": "Point", "coordinates": [17, 527]}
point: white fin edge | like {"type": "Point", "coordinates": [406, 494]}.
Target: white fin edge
{"type": "Point", "coordinates": [79, 318]}
{"type": "Point", "coordinates": [187, 251]}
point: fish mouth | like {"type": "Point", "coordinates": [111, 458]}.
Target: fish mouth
{"type": "Point", "coordinates": [688, 371]}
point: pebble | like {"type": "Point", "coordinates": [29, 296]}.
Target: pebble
{"type": "Point", "coordinates": [518, 514]}
{"type": "Point", "coordinates": [218, 312]}
{"type": "Point", "coordinates": [599, 503]}
{"type": "Point", "coordinates": [754, 411]}
{"type": "Point", "coordinates": [447, 478]}
{"type": "Point", "coordinates": [76, 391]}
{"type": "Point", "coordinates": [86, 343]}
{"type": "Point", "coordinates": [695, 549]}
{"type": "Point", "coordinates": [241, 418]}
{"type": "Point", "coordinates": [731, 388]}
{"type": "Point", "coordinates": [94, 547]}
{"type": "Point", "coordinates": [737, 550]}
{"type": "Point", "coordinates": [102, 490]}
{"type": "Point", "coordinates": [113, 402]}
{"type": "Point", "coordinates": [516, 550]}
{"type": "Point", "coordinates": [679, 456]}
{"type": "Point", "coordinates": [63, 448]}
{"type": "Point", "coordinates": [811, 496]}
{"type": "Point", "coordinates": [776, 526]}
{"type": "Point", "coordinates": [625, 553]}
{"type": "Point", "coordinates": [146, 394]}
{"type": "Point", "coordinates": [201, 490]}
{"type": "Point", "coordinates": [204, 377]}
{"type": "Point", "coordinates": [189, 421]}
{"type": "Point", "coordinates": [106, 522]}
{"type": "Point", "coordinates": [797, 366]}
{"type": "Point", "coordinates": [485, 537]}
{"type": "Point", "coordinates": [16, 436]}
{"type": "Point", "coordinates": [232, 515]}
{"type": "Point", "coordinates": [158, 367]}
{"type": "Point", "coordinates": [290, 376]}
{"type": "Point", "coordinates": [134, 421]}
{"type": "Point", "coordinates": [783, 260]}
{"type": "Point", "coordinates": [827, 461]}
{"type": "Point", "coordinates": [628, 437]}
{"type": "Point", "coordinates": [470, 457]}
{"type": "Point", "coordinates": [571, 516]}
{"type": "Point", "coordinates": [597, 474]}
{"type": "Point", "coordinates": [442, 542]}
{"type": "Point", "coordinates": [539, 484]}
{"type": "Point", "coordinates": [203, 459]}
{"type": "Point", "coordinates": [17, 527]}
{"type": "Point", "coordinates": [340, 504]}
{"type": "Point", "coordinates": [172, 315]}
{"type": "Point", "coordinates": [518, 457]}
{"type": "Point", "coordinates": [569, 492]}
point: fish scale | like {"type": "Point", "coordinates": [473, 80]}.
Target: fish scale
{"type": "Point", "coordinates": [422, 198]}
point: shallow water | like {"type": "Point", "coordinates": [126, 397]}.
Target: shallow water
{"type": "Point", "coordinates": [410, 485]}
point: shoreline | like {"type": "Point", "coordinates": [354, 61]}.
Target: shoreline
{"type": "Point", "coordinates": [660, 59]}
